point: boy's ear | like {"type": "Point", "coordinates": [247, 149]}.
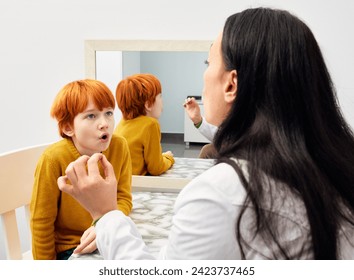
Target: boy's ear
{"type": "Point", "coordinates": [147, 107]}
{"type": "Point", "coordinates": [68, 130]}
{"type": "Point", "coordinates": [231, 87]}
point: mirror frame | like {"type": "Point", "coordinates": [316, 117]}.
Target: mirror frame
{"type": "Point", "coordinates": [91, 46]}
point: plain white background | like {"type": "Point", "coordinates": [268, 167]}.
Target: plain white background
{"type": "Point", "coordinates": [42, 47]}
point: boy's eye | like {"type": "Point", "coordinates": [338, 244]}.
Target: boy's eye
{"type": "Point", "coordinates": [206, 62]}
{"type": "Point", "coordinates": [109, 113]}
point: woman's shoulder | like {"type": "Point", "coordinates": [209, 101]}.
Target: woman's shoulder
{"type": "Point", "coordinates": [218, 182]}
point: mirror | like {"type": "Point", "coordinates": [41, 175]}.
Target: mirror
{"type": "Point", "coordinates": [91, 46]}
{"type": "Point", "coordinates": [179, 65]}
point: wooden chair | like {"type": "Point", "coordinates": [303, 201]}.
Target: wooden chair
{"type": "Point", "coordinates": [16, 182]}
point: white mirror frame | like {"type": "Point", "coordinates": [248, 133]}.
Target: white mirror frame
{"type": "Point", "coordinates": [91, 46]}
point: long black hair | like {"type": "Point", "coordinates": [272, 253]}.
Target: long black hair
{"type": "Point", "coordinates": [287, 124]}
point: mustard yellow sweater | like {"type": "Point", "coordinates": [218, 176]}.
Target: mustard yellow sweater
{"type": "Point", "coordinates": [58, 220]}
{"type": "Point", "coordinates": [144, 140]}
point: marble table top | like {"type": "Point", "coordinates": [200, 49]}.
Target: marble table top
{"type": "Point", "coordinates": [188, 167]}
{"type": "Point", "coordinates": [152, 213]}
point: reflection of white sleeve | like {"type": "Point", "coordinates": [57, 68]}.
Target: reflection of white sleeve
{"type": "Point", "coordinates": [207, 130]}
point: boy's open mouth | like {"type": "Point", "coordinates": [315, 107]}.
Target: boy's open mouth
{"type": "Point", "coordinates": [104, 136]}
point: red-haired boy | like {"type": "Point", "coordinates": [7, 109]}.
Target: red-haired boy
{"type": "Point", "coordinates": [84, 111]}
{"type": "Point", "coordinates": [140, 101]}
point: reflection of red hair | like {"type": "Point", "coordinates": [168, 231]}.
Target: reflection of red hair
{"type": "Point", "coordinates": [73, 99]}
{"type": "Point", "coordinates": [134, 92]}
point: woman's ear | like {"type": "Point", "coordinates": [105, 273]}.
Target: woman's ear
{"type": "Point", "coordinates": [231, 87]}
{"type": "Point", "coordinates": [68, 130]}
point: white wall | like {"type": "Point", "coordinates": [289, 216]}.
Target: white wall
{"type": "Point", "coordinates": [42, 47]}
{"type": "Point", "coordinates": [109, 70]}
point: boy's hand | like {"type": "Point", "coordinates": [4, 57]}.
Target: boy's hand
{"type": "Point", "coordinates": [168, 153]}
{"type": "Point", "coordinates": [87, 242]}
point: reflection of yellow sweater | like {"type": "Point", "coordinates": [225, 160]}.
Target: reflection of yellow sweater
{"type": "Point", "coordinates": [144, 139]}
{"type": "Point", "coordinates": [58, 220]}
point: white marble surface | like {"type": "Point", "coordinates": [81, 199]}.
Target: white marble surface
{"type": "Point", "coordinates": [152, 213]}
{"type": "Point", "coordinates": [188, 167]}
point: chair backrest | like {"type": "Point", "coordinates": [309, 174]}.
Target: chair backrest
{"type": "Point", "coordinates": [16, 182]}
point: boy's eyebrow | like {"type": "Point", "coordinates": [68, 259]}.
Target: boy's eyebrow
{"type": "Point", "coordinates": [89, 110]}
{"type": "Point", "coordinates": [95, 109]}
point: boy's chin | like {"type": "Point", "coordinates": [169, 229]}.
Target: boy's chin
{"type": "Point", "coordinates": [102, 147]}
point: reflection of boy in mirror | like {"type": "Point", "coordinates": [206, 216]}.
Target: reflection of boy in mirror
{"type": "Point", "coordinates": [84, 111]}
{"type": "Point", "coordinates": [140, 100]}
{"type": "Point", "coordinates": [206, 129]}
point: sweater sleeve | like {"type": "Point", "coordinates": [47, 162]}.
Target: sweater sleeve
{"type": "Point", "coordinates": [156, 162]}
{"type": "Point", "coordinates": [45, 197]}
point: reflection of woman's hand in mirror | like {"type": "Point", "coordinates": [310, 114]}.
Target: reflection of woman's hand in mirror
{"type": "Point", "coordinates": [193, 110]}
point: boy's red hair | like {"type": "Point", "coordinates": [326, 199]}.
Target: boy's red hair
{"type": "Point", "coordinates": [134, 92]}
{"type": "Point", "coordinates": [73, 98]}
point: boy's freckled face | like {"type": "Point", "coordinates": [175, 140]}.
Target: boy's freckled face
{"type": "Point", "coordinates": [92, 130]}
